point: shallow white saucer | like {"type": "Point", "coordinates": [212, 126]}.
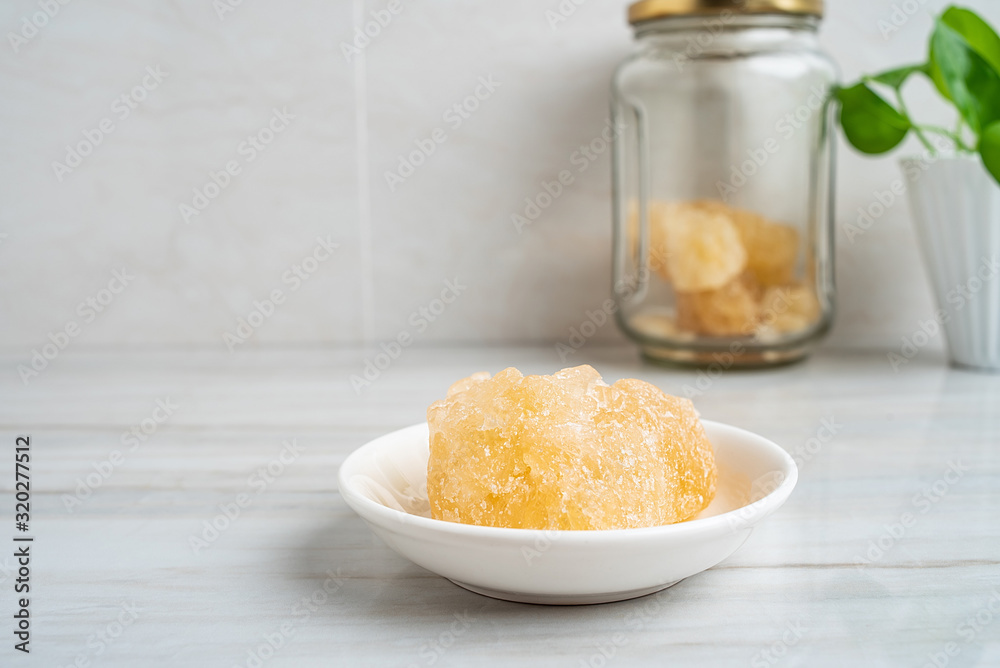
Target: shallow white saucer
{"type": "Point", "coordinates": [385, 482]}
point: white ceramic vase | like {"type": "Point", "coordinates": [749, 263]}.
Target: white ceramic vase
{"type": "Point", "coordinates": [956, 208]}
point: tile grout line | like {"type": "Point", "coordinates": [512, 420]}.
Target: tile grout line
{"type": "Point", "coordinates": [364, 187]}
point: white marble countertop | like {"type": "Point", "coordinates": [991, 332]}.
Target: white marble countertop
{"type": "Point", "coordinates": [833, 579]}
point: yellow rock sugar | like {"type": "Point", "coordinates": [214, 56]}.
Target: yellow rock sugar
{"type": "Point", "coordinates": [566, 451]}
{"type": "Point", "coordinates": [729, 311]}
{"type": "Point", "coordinates": [772, 248]}
{"type": "Point", "coordinates": [702, 248]}
{"type": "Point", "coordinates": [789, 308]}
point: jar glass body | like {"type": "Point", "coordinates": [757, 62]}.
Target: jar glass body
{"type": "Point", "coordinates": [723, 167]}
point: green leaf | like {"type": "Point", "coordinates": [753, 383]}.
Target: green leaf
{"type": "Point", "coordinates": [964, 77]}
{"type": "Point", "coordinates": [870, 123]}
{"type": "Point", "coordinates": [976, 32]}
{"type": "Point", "coordinates": [949, 58]}
{"type": "Point", "coordinates": [989, 149]}
{"type": "Point", "coordinates": [897, 77]}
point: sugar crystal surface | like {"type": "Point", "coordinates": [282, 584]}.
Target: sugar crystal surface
{"type": "Point", "coordinates": [701, 247]}
{"type": "Point", "coordinates": [566, 451]}
{"type": "Point", "coordinates": [733, 271]}
{"type": "Point", "coordinates": [729, 311]}
{"type": "Point", "coordinates": [789, 308]}
{"type": "Point", "coordinates": [772, 248]}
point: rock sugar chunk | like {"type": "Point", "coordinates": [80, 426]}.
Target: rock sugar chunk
{"type": "Point", "coordinates": [702, 249]}
{"type": "Point", "coordinates": [789, 308]}
{"type": "Point", "coordinates": [772, 248]}
{"type": "Point", "coordinates": [566, 451]}
{"type": "Point", "coordinates": [729, 311]}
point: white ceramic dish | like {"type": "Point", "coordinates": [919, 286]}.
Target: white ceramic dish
{"type": "Point", "coordinates": [385, 482]}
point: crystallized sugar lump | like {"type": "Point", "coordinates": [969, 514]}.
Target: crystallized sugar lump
{"type": "Point", "coordinates": [730, 310]}
{"type": "Point", "coordinates": [566, 451]}
{"type": "Point", "coordinates": [732, 270]}
{"type": "Point", "coordinates": [772, 249]}
{"type": "Point", "coordinates": [701, 247]}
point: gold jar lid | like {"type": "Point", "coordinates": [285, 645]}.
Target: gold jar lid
{"type": "Point", "coordinates": [647, 10]}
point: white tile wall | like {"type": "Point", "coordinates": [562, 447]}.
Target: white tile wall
{"type": "Point", "coordinates": [452, 218]}
{"type": "Point", "coordinates": [324, 175]}
{"type": "Point", "coordinates": [120, 207]}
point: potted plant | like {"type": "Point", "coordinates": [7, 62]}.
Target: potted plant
{"type": "Point", "coordinates": [954, 190]}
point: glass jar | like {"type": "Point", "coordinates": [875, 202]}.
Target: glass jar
{"type": "Point", "coordinates": [723, 167]}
